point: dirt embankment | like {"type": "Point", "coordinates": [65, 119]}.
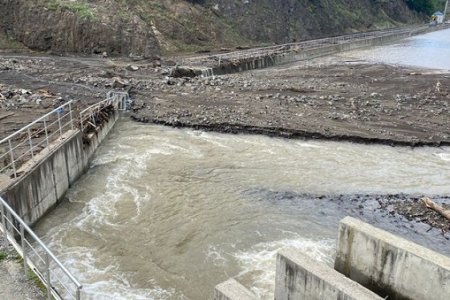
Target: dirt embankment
{"type": "Point", "coordinates": [328, 98]}
{"type": "Point", "coordinates": [74, 27]}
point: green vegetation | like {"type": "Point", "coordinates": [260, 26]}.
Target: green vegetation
{"type": "Point", "coordinates": [82, 10]}
{"type": "Point", "coordinates": [35, 279]}
{"type": "Point", "coordinates": [32, 276]}
{"type": "Point", "coordinates": [8, 43]}
{"type": "Point", "coordinates": [426, 6]}
{"type": "Point", "coordinates": [3, 255]}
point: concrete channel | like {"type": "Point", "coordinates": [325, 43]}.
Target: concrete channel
{"type": "Point", "coordinates": [37, 186]}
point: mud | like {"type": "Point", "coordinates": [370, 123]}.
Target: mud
{"type": "Point", "coordinates": [400, 214]}
{"type": "Point", "coordinates": [325, 98]}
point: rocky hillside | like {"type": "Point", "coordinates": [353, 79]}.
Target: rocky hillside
{"type": "Point", "coordinates": [146, 27]}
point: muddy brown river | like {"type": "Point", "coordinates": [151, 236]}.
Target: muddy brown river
{"type": "Point", "coordinates": [167, 214]}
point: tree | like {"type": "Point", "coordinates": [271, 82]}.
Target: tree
{"type": "Point", "coordinates": [426, 6]}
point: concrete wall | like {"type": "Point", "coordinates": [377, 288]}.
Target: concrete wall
{"type": "Point", "coordinates": [389, 265]}
{"type": "Point", "coordinates": [42, 186]}
{"type": "Point", "coordinates": [272, 60]}
{"type": "Point", "coordinates": [232, 290]}
{"type": "Point", "coordinates": [301, 277]}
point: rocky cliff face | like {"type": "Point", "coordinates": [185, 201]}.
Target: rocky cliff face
{"type": "Point", "coordinates": [75, 29]}
{"type": "Point", "coordinates": [143, 27]}
{"type": "Point", "coordinates": [290, 20]}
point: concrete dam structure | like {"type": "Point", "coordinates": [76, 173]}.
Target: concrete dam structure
{"type": "Point", "coordinates": [371, 264]}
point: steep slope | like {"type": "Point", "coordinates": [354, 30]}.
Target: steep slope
{"type": "Point", "coordinates": [77, 27]}
{"type": "Point", "coordinates": [144, 27]}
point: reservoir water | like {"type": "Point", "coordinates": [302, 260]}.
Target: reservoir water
{"type": "Point", "coordinates": [165, 213]}
{"type": "Point", "coordinates": [431, 50]}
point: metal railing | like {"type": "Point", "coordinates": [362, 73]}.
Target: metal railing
{"type": "Point", "coordinates": [59, 282]}
{"type": "Point", "coordinates": [118, 101]}
{"type": "Point", "coordinates": [24, 144]}
{"type": "Point", "coordinates": [289, 47]}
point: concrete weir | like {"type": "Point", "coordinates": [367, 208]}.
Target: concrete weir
{"type": "Point", "coordinates": [231, 289]}
{"type": "Point", "coordinates": [370, 264]}
{"type": "Point", "coordinates": [300, 277]}
{"type": "Point", "coordinates": [260, 58]}
{"type": "Point", "coordinates": [390, 265]}
{"type": "Point", "coordinates": [53, 171]}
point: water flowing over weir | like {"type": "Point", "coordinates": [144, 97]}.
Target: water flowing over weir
{"type": "Point", "coordinates": [167, 214]}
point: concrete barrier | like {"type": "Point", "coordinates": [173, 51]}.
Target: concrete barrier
{"type": "Point", "coordinates": [390, 265]}
{"type": "Point", "coordinates": [45, 182]}
{"type": "Point", "coordinates": [232, 290]}
{"type": "Point", "coordinates": [301, 277]}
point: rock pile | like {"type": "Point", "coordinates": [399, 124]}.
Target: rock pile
{"type": "Point", "coordinates": [11, 98]}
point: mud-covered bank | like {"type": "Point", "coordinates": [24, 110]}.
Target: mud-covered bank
{"type": "Point", "coordinates": [287, 133]}
{"type": "Point", "coordinates": [329, 98]}
{"type": "Point", "coordinates": [401, 214]}
{"type": "Point", "coordinates": [333, 99]}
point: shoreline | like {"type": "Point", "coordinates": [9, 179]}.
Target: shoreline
{"type": "Point", "coordinates": [289, 134]}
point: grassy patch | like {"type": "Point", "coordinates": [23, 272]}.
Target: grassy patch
{"type": "Point", "coordinates": [82, 10]}
{"type": "Point", "coordinates": [37, 281]}
{"type": "Point", "coordinates": [3, 255]}
{"type": "Point", "coordinates": [9, 43]}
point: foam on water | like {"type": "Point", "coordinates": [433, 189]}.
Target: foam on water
{"type": "Point", "coordinates": [98, 282]}
{"type": "Point", "coordinates": [259, 263]}
{"type": "Point", "coordinates": [443, 156]}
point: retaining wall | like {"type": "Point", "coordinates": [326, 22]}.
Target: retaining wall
{"type": "Point", "coordinates": [301, 277]}
{"type": "Point", "coordinates": [390, 265]}
{"type": "Point", "coordinates": [42, 186]}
